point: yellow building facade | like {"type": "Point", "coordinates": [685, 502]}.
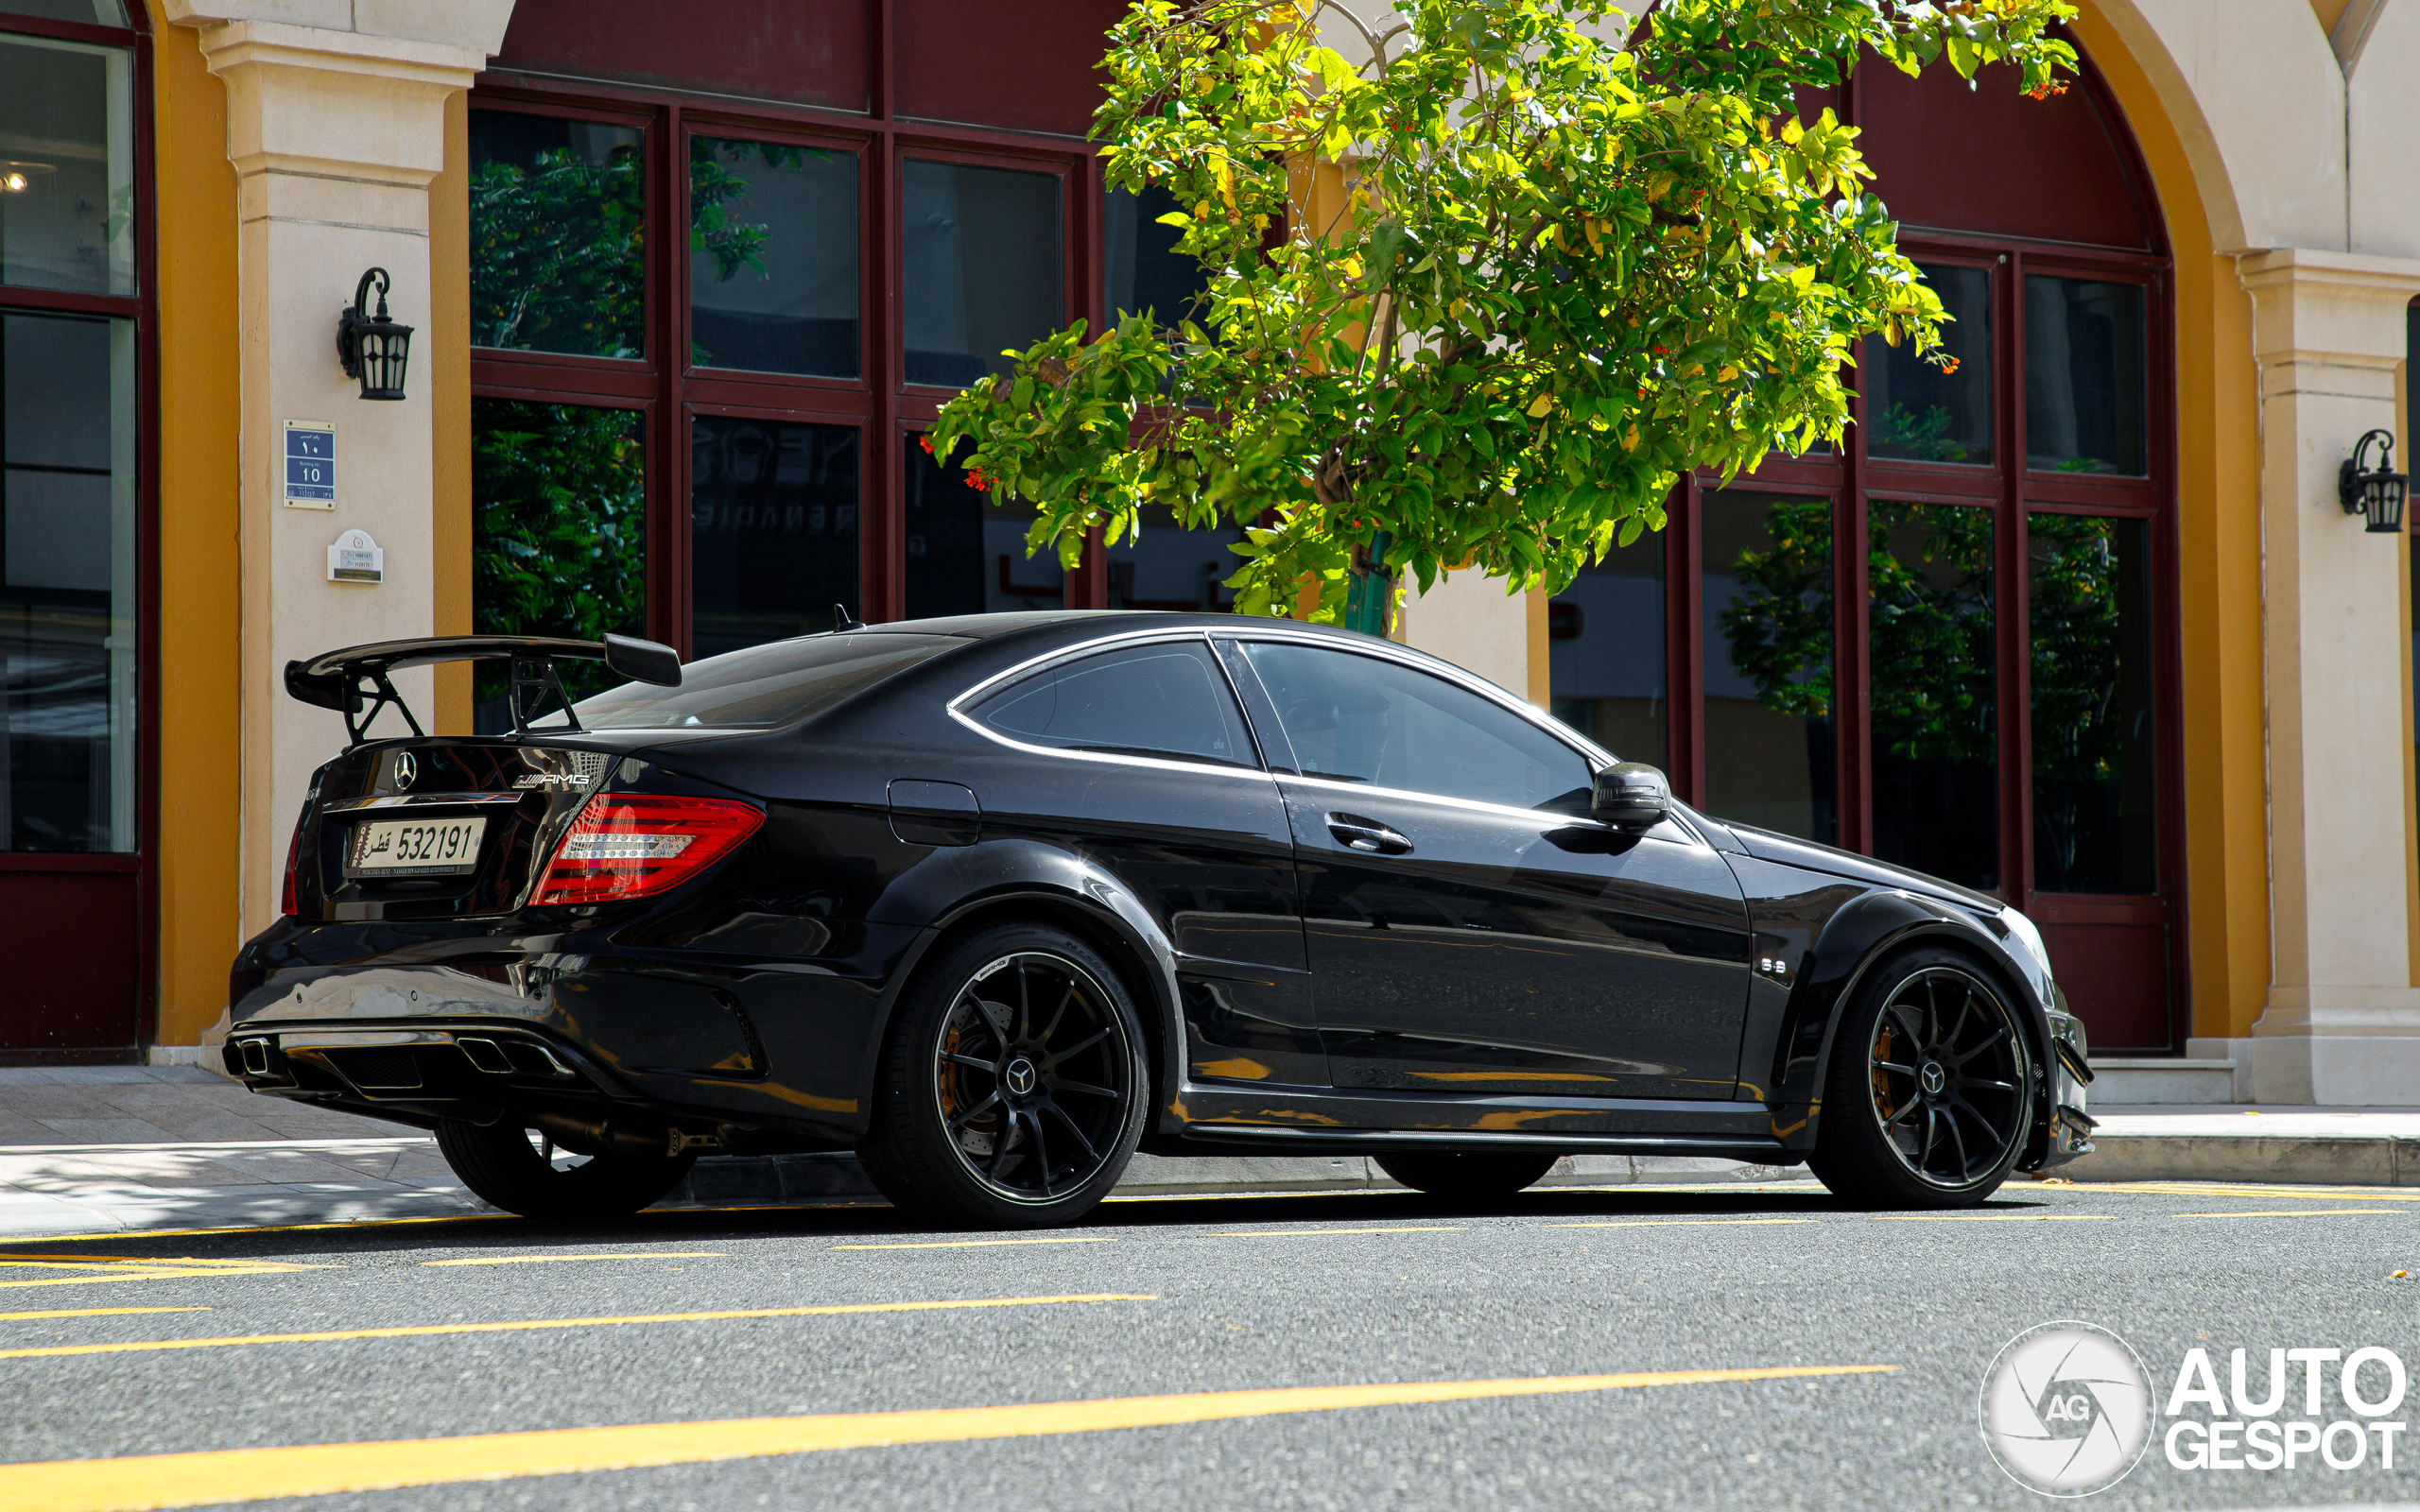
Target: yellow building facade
{"type": "Point", "coordinates": [273, 151]}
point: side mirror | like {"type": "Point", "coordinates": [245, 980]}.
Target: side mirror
{"type": "Point", "coordinates": [1632, 797]}
{"type": "Point", "coordinates": [642, 660]}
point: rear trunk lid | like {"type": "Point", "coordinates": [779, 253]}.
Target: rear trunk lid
{"type": "Point", "coordinates": [438, 828]}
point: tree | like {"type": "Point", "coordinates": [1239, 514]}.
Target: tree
{"type": "Point", "coordinates": [561, 539]}
{"type": "Point", "coordinates": [1559, 273]}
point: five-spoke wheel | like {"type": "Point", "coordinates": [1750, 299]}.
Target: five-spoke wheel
{"type": "Point", "coordinates": [1013, 1085]}
{"type": "Point", "coordinates": [1929, 1097]}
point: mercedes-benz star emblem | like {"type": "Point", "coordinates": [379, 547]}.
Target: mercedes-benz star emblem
{"type": "Point", "coordinates": [405, 770]}
{"type": "Point", "coordinates": [1019, 1076]}
{"type": "Point", "coordinates": [1932, 1078]}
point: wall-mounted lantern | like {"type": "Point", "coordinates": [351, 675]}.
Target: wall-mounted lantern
{"type": "Point", "coordinates": [2377, 493]}
{"type": "Point", "coordinates": [373, 348]}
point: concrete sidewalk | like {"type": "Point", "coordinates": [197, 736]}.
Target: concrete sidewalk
{"type": "Point", "coordinates": [113, 1148]}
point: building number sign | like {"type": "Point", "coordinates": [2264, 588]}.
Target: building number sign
{"type": "Point", "coordinates": [310, 465]}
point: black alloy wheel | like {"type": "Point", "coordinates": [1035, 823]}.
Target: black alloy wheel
{"type": "Point", "coordinates": [1015, 1086]}
{"type": "Point", "coordinates": [523, 1171]}
{"type": "Point", "coordinates": [1929, 1100]}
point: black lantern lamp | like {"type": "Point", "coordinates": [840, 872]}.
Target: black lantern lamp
{"type": "Point", "coordinates": [2379, 493]}
{"type": "Point", "coordinates": [373, 348]}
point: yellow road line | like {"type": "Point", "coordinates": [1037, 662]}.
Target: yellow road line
{"type": "Point", "coordinates": [1995, 1217]}
{"type": "Point", "coordinates": [539, 1259]}
{"type": "Point", "coordinates": [1300, 1234]}
{"type": "Point", "coordinates": [1681, 1223]}
{"type": "Point", "coordinates": [2291, 1212]}
{"type": "Point", "coordinates": [2252, 1189]}
{"type": "Point", "coordinates": [422, 1331]}
{"type": "Point", "coordinates": [985, 1244]}
{"type": "Point", "coordinates": [216, 1476]}
{"type": "Point", "coordinates": [95, 1312]}
{"type": "Point", "coordinates": [398, 1223]}
{"type": "Point", "coordinates": [123, 1268]}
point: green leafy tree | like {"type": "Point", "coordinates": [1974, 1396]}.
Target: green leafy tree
{"type": "Point", "coordinates": [1559, 273]}
{"type": "Point", "coordinates": [1778, 627]}
{"type": "Point", "coordinates": [561, 542]}
{"type": "Point", "coordinates": [1929, 632]}
{"type": "Point", "coordinates": [2087, 737]}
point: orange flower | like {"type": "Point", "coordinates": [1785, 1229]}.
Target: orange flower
{"type": "Point", "coordinates": [1949, 365]}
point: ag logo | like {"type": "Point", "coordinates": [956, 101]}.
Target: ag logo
{"type": "Point", "coordinates": [2066, 1409]}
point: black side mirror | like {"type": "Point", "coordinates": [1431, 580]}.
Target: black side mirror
{"type": "Point", "coordinates": [642, 660]}
{"type": "Point", "coordinates": [1632, 797]}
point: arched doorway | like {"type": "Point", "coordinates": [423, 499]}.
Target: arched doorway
{"type": "Point", "coordinates": [1951, 644]}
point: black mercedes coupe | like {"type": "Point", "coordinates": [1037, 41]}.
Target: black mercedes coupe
{"type": "Point", "coordinates": [996, 900]}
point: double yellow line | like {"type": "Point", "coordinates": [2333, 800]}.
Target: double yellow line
{"type": "Point", "coordinates": [222, 1476]}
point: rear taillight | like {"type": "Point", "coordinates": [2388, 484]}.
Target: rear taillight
{"type": "Point", "coordinates": [288, 905]}
{"type": "Point", "coordinates": [630, 846]}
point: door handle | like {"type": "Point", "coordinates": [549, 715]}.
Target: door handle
{"type": "Point", "coordinates": [1369, 836]}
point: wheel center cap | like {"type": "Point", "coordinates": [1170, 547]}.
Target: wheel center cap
{"type": "Point", "coordinates": [1932, 1078]}
{"type": "Point", "coordinates": [1019, 1076]}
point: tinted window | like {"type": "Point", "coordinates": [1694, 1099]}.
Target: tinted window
{"type": "Point", "coordinates": [1146, 700]}
{"type": "Point", "coordinates": [1360, 720]}
{"type": "Point", "coordinates": [764, 685]}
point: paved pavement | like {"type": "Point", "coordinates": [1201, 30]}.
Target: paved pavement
{"type": "Point", "coordinates": [1350, 1350]}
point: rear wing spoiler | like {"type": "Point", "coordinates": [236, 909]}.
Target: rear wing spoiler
{"type": "Point", "coordinates": [356, 676]}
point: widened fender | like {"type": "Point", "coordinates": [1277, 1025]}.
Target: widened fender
{"type": "Point", "coordinates": [1009, 877]}
{"type": "Point", "coordinates": [1858, 936]}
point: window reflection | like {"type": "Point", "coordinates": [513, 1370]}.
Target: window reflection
{"type": "Point", "coordinates": [1921, 410]}
{"type": "Point", "coordinates": [772, 258]}
{"type": "Point", "coordinates": [772, 529]}
{"type": "Point", "coordinates": [90, 12]}
{"type": "Point", "coordinates": [2085, 384]}
{"type": "Point", "coordinates": [982, 267]}
{"type": "Point", "coordinates": [1605, 649]}
{"type": "Point", "coordinates": [1767, 588]}
{"type": "Point", "coordinates": [66, 164]}
{"type": "Point", "coordinates": [1144, 271]}
{"type": "Point", "coordinates": [67, 629]}
{"type": "Point", "coordinates": [1163, 565]}
{"type": "Point", "coordinates": [560, 494]}
{"type": "Point", "coordinates": [2095, 812]}
{"type": "Point", "coordinates": [1933, 710]}
{"type": "Point", "coordinates": [558, 254]}
{"type": "Point", "coordinates": [966, 554]}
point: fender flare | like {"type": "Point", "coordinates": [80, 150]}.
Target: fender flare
{"type": "Point", "coordinates": [1092, 900]}
{"type": "Point", "coordinates": [1854, 940]}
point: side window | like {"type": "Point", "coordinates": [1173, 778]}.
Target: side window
{"type": "Point", "coordinates": [1167, 700]}
{"type": "Point", "coordinates": [1361, 719]}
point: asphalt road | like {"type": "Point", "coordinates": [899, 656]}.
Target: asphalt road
{"type": "Point", "coordinates": [1174, 1298]}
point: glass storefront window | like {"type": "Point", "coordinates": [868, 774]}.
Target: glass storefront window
{"type": "Point", "coordinates": [1934, 707]}
{"type": "Point", "coordinates": [1766, 590]}
{"type": "Point", "coordinates": [966, 554]}
{"type": "Point", "coordinates": [773, 258]}
{"type": "Point", "coordinates": [2095, 802]}
{"type": "Point", "coordinates": [558, 235]}
{"type": "Point", "coordinates": [1918, 411]}
{"type": "Point", "coordinates": [2087, 387]}
{"type": "Point", "coordinates": [1162, 565]}
{"type": "Point", "coordinates": [560, 495]}
{"type": "Point", "coordinates": [1143, 268]}
{"type": "Point", "coordinates": [66, 164]}
{"type": "Point", "coordinates": [982, 267]}
{"type": "Point", "coordinates": [90, 12]}
{"type": "Point", "coordinates": [68, 584]}
{"type": "Point", "coordinates": [772, 529]}
{"type": "Point", "coordinates": [1605, 652]}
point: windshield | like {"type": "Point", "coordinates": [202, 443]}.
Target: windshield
{"type": "Point", "coordinates": [764, 685]}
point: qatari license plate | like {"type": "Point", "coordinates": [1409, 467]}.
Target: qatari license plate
{"type": "Point", "coordinates": [415, 848]}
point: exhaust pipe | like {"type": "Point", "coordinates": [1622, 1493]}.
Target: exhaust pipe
{"type": "Point", "coordinates": [601, 1136]}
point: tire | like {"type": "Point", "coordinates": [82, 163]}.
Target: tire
{"type": "Point", "coordinates": [1468, 1176]}
{"type": "Point", "coordinates": [1928, 1099]}
{"type": "Point", "coordinates": [1012, 1086]}
{"type": "Point", "coordinates": [505, 1168]}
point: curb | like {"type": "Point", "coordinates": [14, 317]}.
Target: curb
{"type": "Point", "coordinates": [2301, 1159]}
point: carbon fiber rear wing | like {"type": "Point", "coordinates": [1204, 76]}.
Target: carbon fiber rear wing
{"type": "Point", "coordinates": [354, 681]}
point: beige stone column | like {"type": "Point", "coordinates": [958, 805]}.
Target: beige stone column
{"type": "Point", "coordinates": [336, 124]}
{"type": "Point", "coordinates": [2343, 1021]}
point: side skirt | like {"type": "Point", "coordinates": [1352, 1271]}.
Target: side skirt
{"type": "Point", "coordinates": [1329, 1120]}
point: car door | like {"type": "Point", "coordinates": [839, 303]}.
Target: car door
{"type": "Point", "coordinates": [1137, 759]}
{"type": "Point", "coordinates": [1469, 928]}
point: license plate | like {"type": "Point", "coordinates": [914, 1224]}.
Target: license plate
{"type": "Point", "coordinates": [415, 848]}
